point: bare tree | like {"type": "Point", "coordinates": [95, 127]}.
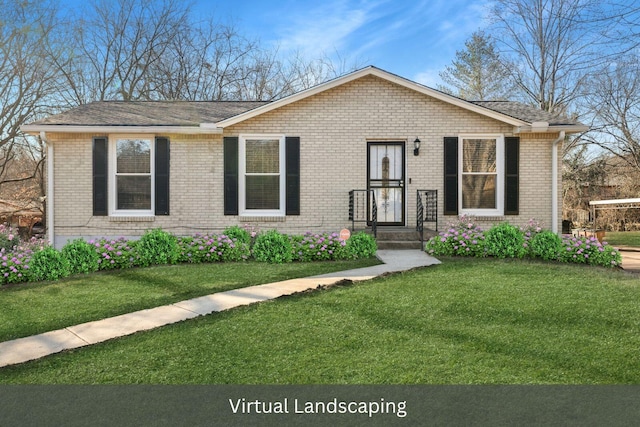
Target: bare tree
{"type": "Point", "coordinates": [118, 44]}
{"type": "Point", "coordinates": [204, 62]}
{"type": "Point", "coordinates": [614, 103]}
{"type": "Point", "coordinates": [477, 72]}
{"type": "Point", "coordinates": [554, 45]}
{"type": "Point", "coordinates": [28, 82]}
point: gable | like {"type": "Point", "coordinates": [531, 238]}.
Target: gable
{"type": "Point", "coordinates": [369, 106]}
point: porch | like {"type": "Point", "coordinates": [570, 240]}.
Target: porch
{"type": "Point", "coordinates": [364, 206]}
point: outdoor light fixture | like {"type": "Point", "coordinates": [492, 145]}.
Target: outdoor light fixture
{"type": "Point", "coordinates": [416, 147]}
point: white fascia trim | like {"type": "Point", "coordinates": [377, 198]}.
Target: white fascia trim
{"type": "Point", "coordinates": [551, 129]}
{"type": "Point", "coordinates": [183, 130]}
{"type": "Point", "coordinates": [378, 73]}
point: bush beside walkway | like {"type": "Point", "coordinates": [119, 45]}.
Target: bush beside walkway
{"type": "Point", "coordinates": [36, 261]}
{"type": "Point", "coordinates": [465, 238]}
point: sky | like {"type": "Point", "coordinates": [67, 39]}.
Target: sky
{"type": "Point", "coordinates": [414, 39]}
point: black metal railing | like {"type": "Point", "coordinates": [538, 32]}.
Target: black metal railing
{"type": "Point", "coordinates": [426, 210]}
{"type": "Point", "coordinates": [363, 209]}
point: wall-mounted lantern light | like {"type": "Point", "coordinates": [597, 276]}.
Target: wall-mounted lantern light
{"type": "Point", "coordinates": [416, 147]}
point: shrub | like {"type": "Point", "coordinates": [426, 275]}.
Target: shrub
{"type": "Point", "coordinates": [359, 245]}
{"type": "Point", "coordinates": [9, 238]}
{"type": "Point", "coordinates": [211, 248]}
{"type": "Point", "coordinates": [505, 241]}
{"type": "Point", "coordinates": [14, 266]}
{"type": "Point", "coordinates": [238, 234]}
{"type": "Point", "coordinates": [157, 247]}
{"type": "Point", "coordinates": [48, 264]}
{"type": "Point", "coordinates": [115, 253]}
{"type": "Point", "coordinates": [462, 238]}
{"type": "Point", "coordinates": [273, 247]}
{"type": "Point", "coordinates": [316, 246]}
{"type": "Point", "coordinates": [82, 257]}
{"type": "Point", "coordinates": [589, 250]}
{"type": "Point", "coordinates": [546, 245]}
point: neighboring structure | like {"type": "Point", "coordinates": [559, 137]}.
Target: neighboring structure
{"type": "Point", "coordinates": [120, 168]}
{"type": "Point", "coordinates": [19, 216]}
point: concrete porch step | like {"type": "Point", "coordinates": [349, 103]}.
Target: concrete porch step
{"type": "Point", "coordinates": [399, 244]}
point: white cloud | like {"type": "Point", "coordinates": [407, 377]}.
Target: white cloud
{"type": "Point", "coordinates": [429, 77]}
{"type": "Point", "coordinates": [325, 28]}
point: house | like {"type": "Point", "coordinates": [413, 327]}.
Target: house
{"type": "Point", "coordinates": [120, 168]}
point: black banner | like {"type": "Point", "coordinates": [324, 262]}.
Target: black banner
{"type": "Point", "coordinates": [235, 405]}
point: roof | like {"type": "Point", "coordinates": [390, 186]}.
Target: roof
{"type": "Point", "coordinates": [525, 112]}
{"type": "Point", "coordinates": [149, 113]}
{"type": "Point", "coordinates": [214, 116]}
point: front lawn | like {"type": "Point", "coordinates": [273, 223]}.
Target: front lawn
{"type": "Point", "coordinates": [29, 309]}
{"type": "Point", "coordinates": [467, 321]}
{"type": "Point", "coordinates": [623, 238]}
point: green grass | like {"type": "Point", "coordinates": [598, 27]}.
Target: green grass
{"type": "Point", "coordinates": [623, 238]}
{"type": "Point", "coordinates": [466, 321]}
{"type": "Point", "coordinates": [29, 309]}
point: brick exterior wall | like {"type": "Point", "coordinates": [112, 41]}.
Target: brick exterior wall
{"type": "Point", "coordinates": [334, 127]}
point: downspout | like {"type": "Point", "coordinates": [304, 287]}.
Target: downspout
{"type": "Point", "coordinates": [49, 200]}
{"type": "Point", "coordinates": [554, 182]}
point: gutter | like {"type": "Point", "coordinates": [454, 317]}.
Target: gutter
{"type": "Point", "coordinates": [554, 182]}
{"type": "Point", "coordinates": [49, 199]}
{"type": "Point", "coordinates": [104, 129]}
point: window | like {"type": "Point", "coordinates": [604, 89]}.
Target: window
{"type": "Point", "coordinates": [262, 179]}
{"type": "Point", "coordinates": [481, 174]}
{"type": "Point", "coordinates": [132, 176]}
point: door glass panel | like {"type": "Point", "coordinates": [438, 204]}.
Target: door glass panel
{"type": "Point", "coordinates": [386, 179]}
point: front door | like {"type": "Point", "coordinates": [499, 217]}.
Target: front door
{"type": "Point", "coordinates": [386, 179]}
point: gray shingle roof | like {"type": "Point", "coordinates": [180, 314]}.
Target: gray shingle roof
{"type": "Point", "coordinates": [193, 113]}
{"type": "Point", "coordinates": [525, 112]}
{"type": "Point", "coordinates": [149, 113]}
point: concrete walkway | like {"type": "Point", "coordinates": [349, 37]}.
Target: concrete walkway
{"type": "Point", "coordinates": [37, 346]}
{"type": "Point", "coordinates": [630, 258]}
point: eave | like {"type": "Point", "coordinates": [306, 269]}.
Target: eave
{"type": "Point", "coordinates": [108, 129]}
{"type": "Point", "coordinates": [550, 129]}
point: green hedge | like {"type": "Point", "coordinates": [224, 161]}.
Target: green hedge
{"type": "Point", "coordinates": [37, 261]}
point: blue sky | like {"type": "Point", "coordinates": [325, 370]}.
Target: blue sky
{"type": "Point", "coordinates": [414, 39]}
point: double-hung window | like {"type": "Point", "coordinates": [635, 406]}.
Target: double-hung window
{"type": "Point", "coordinates": [481, 169]}
{"type": "Point", "coordinates": [262, 175]}
{"type": "Point", "coordinates": [132, 184]}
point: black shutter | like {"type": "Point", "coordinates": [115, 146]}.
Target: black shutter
{"type": "Point", "coordinates": [451, 175]}
{"type": "Point", "coordinates": [100, 176]}
{"type": "Point", "coordinates": [512, 180]}
{"type": "Point", "coordinates": [292, 166]}
{"type": "Point", "coordinates": [162, 175]}
{"type": "Point", "coordinates": [230, 175]}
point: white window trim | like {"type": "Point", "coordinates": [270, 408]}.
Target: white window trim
{"type": "Point", "coordinates": [499, 210]}
{"type": "Point", "coordinates": [113, 139]}
{"type": "Point", "coordinates": [242, 168]}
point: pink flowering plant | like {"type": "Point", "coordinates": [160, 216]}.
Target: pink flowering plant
{"type": "Point", "coordinates": [462, 238]}
{"type": "Point", "coordinates": [316, 246]}
{"type": "Point", "coordinates": [588, 250]}
{"type": "Point", "coordinates": [212, 248]}
{"type": "Point", "coordinates": [9, 238]}
{"type": "Point", "coordinates": [115, 253]}
{"type": "Point", "coordinates": [15, 261]}
{"type": "Point", "coordinates": [32, 260]}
